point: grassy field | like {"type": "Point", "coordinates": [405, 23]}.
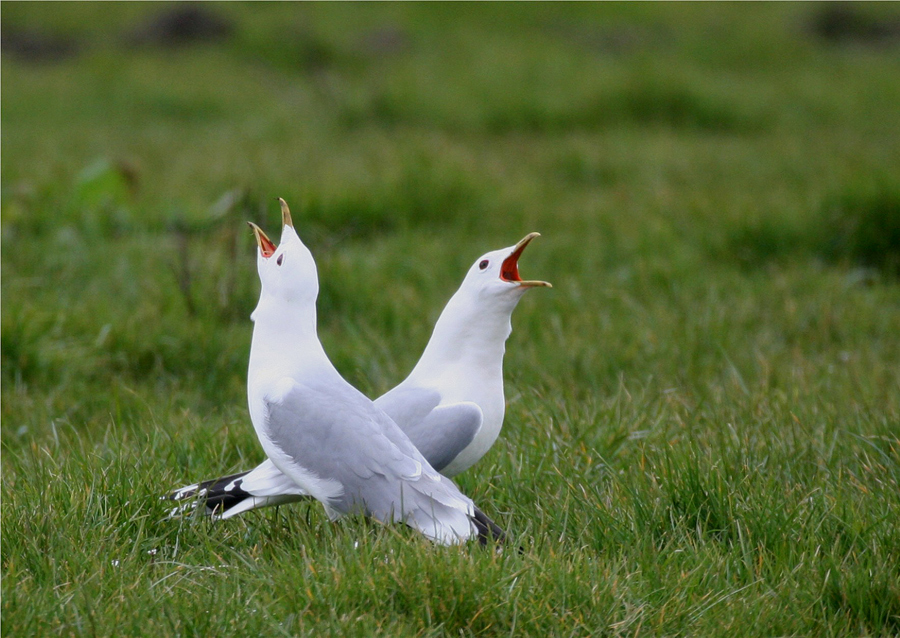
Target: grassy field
{"type": "Point", "coordinates": [703, 415]}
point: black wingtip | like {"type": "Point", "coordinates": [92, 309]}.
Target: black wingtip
{"type": "Point", "coordinates": [214, 495]}
{"type": "Point", "coordinates": [488, 530]}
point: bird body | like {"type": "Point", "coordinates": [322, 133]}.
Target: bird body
{"type": "Point", "coordinates": [322, 434]}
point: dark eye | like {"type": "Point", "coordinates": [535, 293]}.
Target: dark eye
{"type": "Point", "coordinates": [280, 259]}
{"type": "Point", "coordinates": [484, 264]}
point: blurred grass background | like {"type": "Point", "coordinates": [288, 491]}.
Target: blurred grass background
{"type": "Point", "coordinates": [703, 413]}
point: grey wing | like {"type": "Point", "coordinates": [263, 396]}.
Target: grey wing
{"type": "Point", "coordinates": [408, 405]}
{"type": "Point", "coordinates": [336, 435]}
{"type": "Point", "coordinates": [439, 432]}
{"type": "Point", "coordinates": [362, 461]}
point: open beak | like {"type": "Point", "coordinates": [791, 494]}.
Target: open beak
{"type": "Point", "coordinates": [285, 214]}
{"type": "Point", "coordinates": [266, 247]}
{"type": "Point", "coordinates": [509, 269]}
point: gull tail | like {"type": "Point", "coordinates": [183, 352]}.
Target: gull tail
{"type": "Point", "coordinates": [224, 497]}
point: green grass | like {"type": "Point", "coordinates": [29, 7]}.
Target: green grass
{"type": "Point", "coordinates": [703, 415]}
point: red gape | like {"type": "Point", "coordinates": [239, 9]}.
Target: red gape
{"type": "Point", "coordinates": [509, 270]}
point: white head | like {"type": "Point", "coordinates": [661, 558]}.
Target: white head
{"type": "Point", "coordinates": [494, 277]}
{"type": "Point", "coordinates": [285, 341]}
{"type": "Point", "coordinates": [473, 328]}
{"type": "Point", "coordinates": [287, 272]}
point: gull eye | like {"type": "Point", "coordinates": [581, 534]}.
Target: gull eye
{"type": "Point", "coordinates": [280, 259]}
{"type": "Point", "coordinates": [484, 264]}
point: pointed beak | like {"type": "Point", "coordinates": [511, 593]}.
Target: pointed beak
{"type": "Point", "coordinates": [509, 270]}
{"type": "Point", "coordinates": [266, 247]}
{"type": "Point", "coordinates": [285, 214]}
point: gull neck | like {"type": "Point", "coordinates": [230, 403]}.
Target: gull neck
{"type": "Point", "coordinates": [468, 335]}
{"type": "Point", "coordinates": [285, 340]}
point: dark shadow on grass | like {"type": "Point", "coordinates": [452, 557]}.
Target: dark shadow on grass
{"type": "Point", "coordinates": [35, 46]}
{"type": "Point", "coordinates": [179, 25]}
{"type": "Point", "coordinates": [848, 22]}
{"type": "Point", "coordinates": [862, 226]}
{"type": "Point", "coordinates": [857, 226]}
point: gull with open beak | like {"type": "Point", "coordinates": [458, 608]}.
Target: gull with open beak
{"type": "Point", "coordinates": [451, 405]}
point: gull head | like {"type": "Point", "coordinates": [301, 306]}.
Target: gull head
{"type": "Point", "coordinates": [496, 274]}
{"type": "Point", "coordinates": [287, 272]}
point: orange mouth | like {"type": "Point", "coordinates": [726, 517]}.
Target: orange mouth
{"type": "Point", "coordinates": [266, 246]}
{"type": "Point", "coordinates": [509, 269]}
